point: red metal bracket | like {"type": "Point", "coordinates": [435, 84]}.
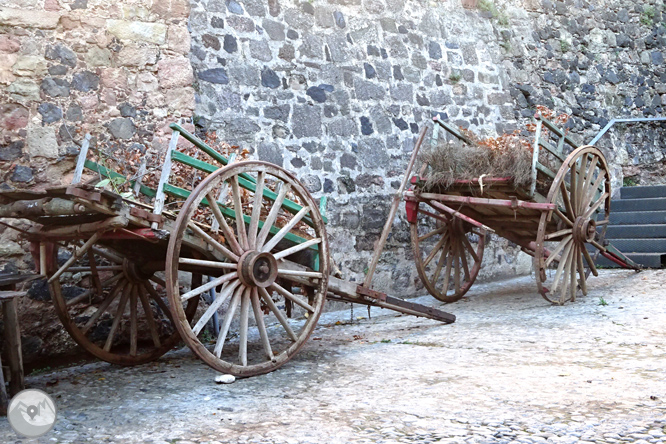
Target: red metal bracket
{"type": "Point", "coordinates": [363, 291]}
{"type": "Point", "coordinates": [146, 215]}
{"type": "Point", "coordinates": [93, 196]}
{"type": "Point", "coordinates": [412, 210]}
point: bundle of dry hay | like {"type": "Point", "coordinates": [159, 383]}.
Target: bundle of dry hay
{"type": "Point", "coordinates": [505, 156]}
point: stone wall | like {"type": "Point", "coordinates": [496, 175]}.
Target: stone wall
{"type": "Point", "coordinates": [595, 60]}
{"type": "Point", "coordinates": [336, 91]}
{"type": "Point", "coordinates": [116, 70]}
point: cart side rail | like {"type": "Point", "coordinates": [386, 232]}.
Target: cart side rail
{"type": "Point", "coordinates": [165, 189]}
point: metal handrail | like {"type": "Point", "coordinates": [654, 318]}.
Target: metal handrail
{"type": "Point", "coordinates": [610, 124]}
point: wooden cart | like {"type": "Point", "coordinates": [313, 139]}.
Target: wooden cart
{"type": "Point", "coordinates": [560, 219]}
{"type": "Point", "coordinates": [129, 280]}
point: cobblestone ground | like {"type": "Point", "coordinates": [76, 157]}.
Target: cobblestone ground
{"type": "Point", "coordinates": [512, 369]}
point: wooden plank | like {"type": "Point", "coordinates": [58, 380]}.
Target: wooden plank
{"type": "Point", "coordinates": [81, 160]}
{"type": "Point", "coordinates": [164, 178]}
{"type": "Point", "coordinates": [535, 158]}
{"type": "Point", "coordinates": [553, 150]}
{"type": "Point", "coordinates": [97, 168]}
{"type": "Point", "coordinates": [13, 345]}
{"type": "Point", "coordinates": [453, 130]}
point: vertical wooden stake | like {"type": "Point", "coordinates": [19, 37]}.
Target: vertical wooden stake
{"type": "Point", "coordinates": [160, 198]}
{"type": "Point", "coordinates": [13, 342]}
{"type": "Point", "coordinates": [81, 160]}
{"type": "Point", "coordinates": [394, 208]}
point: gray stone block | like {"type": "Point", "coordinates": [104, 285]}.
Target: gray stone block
{"type": "Point", "coordinates": [306, 121]}
{"type": "Point", "coordinates": [85, 81]}
{"type": "Point", "coordinates": [368, 90]}
{"type": "Point", "coordinates": [275, 30]}
{"type": "Point", "coordinates": [50, 112]}
{"type": "Point", "coordinates": [270, 152]}
{"type": "Point", "coordinates": [372, 153]}
{"type": "Point", "coordinates": [402, 92]}
{"type": "Point", "coordinates": [122, 128]}
{"type": "Point", "coordinates": [260, 50]}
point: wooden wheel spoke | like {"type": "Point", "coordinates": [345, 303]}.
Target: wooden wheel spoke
{"type": "Point", "coordinates": [588, 181]}
{"type": "Point", "coordinates": [296, 248]}
{"type": "Point", "coordinates": [261, 326]}
{"type": "Point", "coordinates": [440, 262]}
{"type": "Point", "coordinates": [463, 258]}
{"type": "Point", "coordinates": [590, 262]}
{"type": "Point", "coordinates": [434, 251]}
{"type": "Point", "coordinates": [284, 230]}
{"type": "Point", "coordinates": [78, 253]}
{"type": "Point", "coordinates": [559, 233]}
{"type": "Point", "coordinates": [272, 215]}
{"type": "Point", "coordinates": [160, 302]}
{"type": "Point", "coordinates": [106, 254]}
{"type": "Point", "coordinates": [563, 217]}
{"type": "Point", "coordinates": [439, 230]}
{"type": "Point", "coordinates": [278, 314]}
{"type": "Point", "coordinates": [118, 316]}
{"type": "Point", "coordinates": [567, 202]}
{"type": "Point", "coordinates": [580, 182]}
{"type": "Point", "coordinates": [134, 334]}
{"type": "Point", "coordinates": [293, 298]}
{"type": "Point", "coordinates": [256, 211]}
{"type": "Point", "coordinates": [561, 265]}
{"type": "Point", "coordinates": [213, 243]}
{"type": "Point", "coordinates": [208, 314]}
{"type": "Point", "coordinates": [208, 264]}
{"type": "Point", "coordinates": [456, 265]}
{"type": "Point", "coordinates": [83, 296]}
{"type": "Point", "coordinates": [209, 285]}
{"type": "Point", "coordinates": [244, 320]}
{"type": "Point", "coordinates": [595, 188]}
{"type": "Point", "coordinates": [238, 208]}
{"type": "Point", "coordinates": [553, 254]}
{"type": "Point", "coordinates": [573, 265]}
{"type": "Point", "coordinates": [94, 272]}
{"type": "Point", "coordinates": [222, 222]}
{"type": "Point", "coordinates": [469, 247]}
{"type": "Point", "coordinates": [581, 269]}
{"type": "Point", "coordinates": [150, 319]}
{"type": "Point", "coordinates": [309, 274]}
{"type": "Point", "coordinates": [573, 180]}
{"type": "Point", "coordinates": [226, 322]}
{"type": "Point", "coordinates": [596, 205]}
{"type": "Point", "coordinates": [447, 273]}
{"type": "Point", "coordinates": [104, 306]}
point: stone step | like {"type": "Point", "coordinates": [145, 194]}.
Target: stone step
{"type": "Point", "coordinates": [653, 204]}
{"type": "Point", "coordinates": [643, 192]}
{"type": "Point", "coordinates": [627, 246]}
{"type": "Point", "coordinates": [648, 260]}
{"type": "Point", "coordinates": [636, 231]}
{"type": "Point", "coordinates": [638, 218]}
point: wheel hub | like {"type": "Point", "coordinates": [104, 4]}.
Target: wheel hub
{"type": "Point", "coordinates": [257, 269]}
{"type": "Point", "coordinates": [134, 273]}
{"type": "Point", "coordinates": [584, 230]}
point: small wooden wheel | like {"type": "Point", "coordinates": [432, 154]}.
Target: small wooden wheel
{"type": "Point", "coordinates": [113, 307]}
{"type": "Point", "coordinates": [448, 253]}
{"type": "Point", "coordinates": [254, 267]}
{"type": "Point", "coordinates": [581, 190]}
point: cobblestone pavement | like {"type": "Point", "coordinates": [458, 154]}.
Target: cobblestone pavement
{"type": "Point", "coordinates": [512, 369]}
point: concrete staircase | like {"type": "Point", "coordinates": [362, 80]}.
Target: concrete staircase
{"type": "Point", "coordinates": [638, 226]}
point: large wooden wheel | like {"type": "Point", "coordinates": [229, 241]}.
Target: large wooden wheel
{"type": "Point", "coordinates": [255, 267]}
{"type": "Point", "coordinates": [581, 191]}
{"type": "Point", "coordinates": [113, 307]}
{"type": "Point", "coordinates": [447, 252]}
